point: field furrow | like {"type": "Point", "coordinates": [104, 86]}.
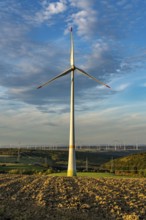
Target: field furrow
{"type": "Point", "coordinates": [66, 198]}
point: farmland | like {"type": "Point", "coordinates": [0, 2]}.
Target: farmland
{"type": "Point", "coordinates": [51, 197]}
{"type": "Point", "coordinates": [28, 161]}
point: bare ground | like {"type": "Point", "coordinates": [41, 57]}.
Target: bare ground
{"type": "Point", "coordinates": [66, 198]}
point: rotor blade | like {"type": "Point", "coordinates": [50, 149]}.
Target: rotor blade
{"type": "Point", "coordinates": [60, 75]}
{"type": "Point", "coordinates": [71, 48]}
{"type": "Point", "coordinates": [82, 71]}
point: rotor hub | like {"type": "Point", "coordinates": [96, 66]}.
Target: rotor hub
{"type": "Point", "coordinates": [73, 67]}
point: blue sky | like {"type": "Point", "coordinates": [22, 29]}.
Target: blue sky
{"type": "Point", "coordinates": [110, 44]}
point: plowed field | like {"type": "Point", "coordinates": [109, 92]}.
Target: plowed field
{"type": "Point", "coordinates": [66, 198]}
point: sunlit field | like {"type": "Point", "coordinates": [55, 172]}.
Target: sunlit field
{"type": "Point", "coordinates": [68, 198]}
{"type": "Point", "coordinates": [91, 174]}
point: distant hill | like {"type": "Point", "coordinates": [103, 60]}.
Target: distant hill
{"type": "Point", "coordinates": [135, 164]}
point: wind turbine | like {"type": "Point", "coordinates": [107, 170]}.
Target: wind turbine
{"type": "Point", "coordinates": [71, 171]}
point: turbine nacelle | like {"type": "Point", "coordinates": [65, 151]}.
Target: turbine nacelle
{"type": "Point", "coordinates": [73, 67]}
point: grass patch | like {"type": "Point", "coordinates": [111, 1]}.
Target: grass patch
{"type": "Point", "coordinates": [91, 174]}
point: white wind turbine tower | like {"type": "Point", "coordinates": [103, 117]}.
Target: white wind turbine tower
{"type": "Point", "coordinates": [71, 158]}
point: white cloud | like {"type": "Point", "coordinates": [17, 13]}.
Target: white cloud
{"type": "Point", "coordinates": [122, 87]}
{"type": "Point", "coordinates": [98, 58]}
{"type": "Point", "coordinates": [85, 20]}
{"type": "Point", "coordinates": [99, 48]}
{"type": "Point", "coordinates": [16, 125]}
{"type": "Point", "coordinates": [84, 4]}
{"type": "Point", "coordinates": [50, 9]}
{"type": "Point", "coordinates": [57, 7]}
{"type": "Point", "coordinates": [18, 90]}
{"type": "Point", "coordinates": [123, 122]}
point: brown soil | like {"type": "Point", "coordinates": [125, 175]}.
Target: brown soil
{"type": "Point", "coordinates": [66, 198]}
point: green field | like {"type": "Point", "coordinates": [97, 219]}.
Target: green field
{"type": "Point", "coordinates": [31, 169]}
{"type": "Point", "coordinates": [92, 175]}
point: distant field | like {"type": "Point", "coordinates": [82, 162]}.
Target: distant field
{"type": "Point", "coordinates": [34, 161]}
{"type": "Point", "coordinates": [67, 198]}
{"type": "Point", "coordinates": [58, 158]}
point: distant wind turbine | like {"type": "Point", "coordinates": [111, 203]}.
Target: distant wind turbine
{"type": "Point", "coordinates": [71, 171]}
